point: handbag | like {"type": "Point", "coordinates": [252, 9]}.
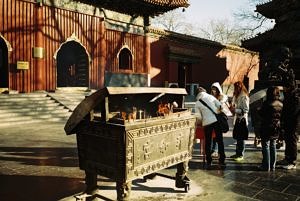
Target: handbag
{"type": "Point", "coordinates": [240, 130]}
{"type": "Point", "coordinates": [221, 117]}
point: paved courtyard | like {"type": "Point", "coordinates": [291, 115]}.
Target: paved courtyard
{"type": "Point", "coordinates": [38, 162]}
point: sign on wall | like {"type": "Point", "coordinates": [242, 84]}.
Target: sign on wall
{"type": "Point", "coordinates": [38, 52]}
{"type": "Point", "coordinates": [22, 65]}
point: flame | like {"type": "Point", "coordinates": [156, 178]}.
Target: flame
{"type": "Point", "coordinates": [163, 109]}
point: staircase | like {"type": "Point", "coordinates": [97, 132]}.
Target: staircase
{"type": "Point", "coordinates": [70, 97]}
{"type": "Point", "coordinates": [38, 107]}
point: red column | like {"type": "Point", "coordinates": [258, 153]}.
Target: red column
{"type": "Point", "coordinates": [147, 54]}
{"type": "Point", "coordinates": [147, 51]}
{"type": "Point", "coordinates": [39, 63]}
{"type": "Point", "coordinates": [102, 52]}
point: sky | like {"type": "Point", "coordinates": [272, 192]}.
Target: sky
{"type": "Point", "coordinates": [201, 11]}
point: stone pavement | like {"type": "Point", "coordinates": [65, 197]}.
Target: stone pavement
{"type": "Point", "coordinates": [38, 162]}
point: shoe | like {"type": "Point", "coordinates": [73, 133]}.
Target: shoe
{"type": "Point", "coordinates": [282, 163]}
{"type": "Point", "coordinates": [290, 166]}
{"type": "Point", "coordinates": [233, 156]}
{"type": "Point", "coordinates": [239, 158]}
{"type": "Point", "coordinates": [214, 154]}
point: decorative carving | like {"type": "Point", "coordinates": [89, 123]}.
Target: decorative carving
{"type": "Point", "coordinates": [179, 141]}
{"type": "Point", "coordinates": [9, 48]}
{"type": "Point", "coordinates": [147, 149]}
{"type": "Point", "coordinates": [163, 146]}
{"type": "Point", "coordinates": [73, 37]}
{"type": "Point", "coordinates": [166, 162]}
{"type": "Point", "coordinates": [277, 68]}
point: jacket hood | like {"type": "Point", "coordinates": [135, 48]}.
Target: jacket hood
{"type": "Point", "coordinates": [218, 86]}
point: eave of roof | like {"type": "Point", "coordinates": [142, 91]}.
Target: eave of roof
{"type": "Point", "coordinates": [274, 9]}
{"type": "Point", "coordinates": [139, 7]}
{"type": "Point", "coordinates": [183, 37]}
{"type": "Point", "coordinates": [283, 33]}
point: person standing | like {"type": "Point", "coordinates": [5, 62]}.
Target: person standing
{"type": "Point", "coordinates": [290, 118]}
{"type": "Point", "coordinates": [209, 122]}
{"type": "Point", "coordinates": [270, 114]}
{"type": "Point", "coordinates": [240, 108]}
{"type": "Point", "coordinates": [217, 92]}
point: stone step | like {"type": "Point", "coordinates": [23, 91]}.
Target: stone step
{"type": "Point", "coordinates": [22, 98]}
{"type": "Point", "coordinates": [20, 104]}
{"type": "Point", "coordinates": [5, 124]}
{"type": "Point", "coordinates": [12, 123]}
{"type": "Point", "coordinates": [28, 95]}
{"type": "Point", "coordinates": [69, 99]}
{"type": "Point", "coordinates": [6, 114]}
{"type": "Point", "coordinates": [28, 108]}
{"type": "Point", "coordinates": [39, 107]}
{"type": "Point", "coordinates": [31, 107]}
{"type": "Point", "coordinates": [34, 118]}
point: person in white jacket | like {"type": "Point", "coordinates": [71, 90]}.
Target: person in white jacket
{"type": "Point", "coordinates": [217, 92]}
{"type": "Point", "coordinates": [209, 121]}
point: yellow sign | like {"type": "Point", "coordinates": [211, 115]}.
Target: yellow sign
{"type": "Point", "coordinates": [22, 65]}
{"type": "Point", "coordinates": [38, 52]}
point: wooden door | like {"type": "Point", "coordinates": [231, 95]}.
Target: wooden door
{"type": "Point", "coordinates": [72, 66]}
{"type": "Point", "coordinates": [3, 64]}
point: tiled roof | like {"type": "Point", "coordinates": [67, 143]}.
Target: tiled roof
{"type": "Point", "coordinates": [169, 3]}
{"type": "Point", "coordinates": [275, 8]}
{"type": "Point", "coordinates": [140, 7]}
{"type": "Point", "coordinates": [288, 33]}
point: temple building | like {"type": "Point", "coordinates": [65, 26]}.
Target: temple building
{"type": "Point", "coordinates": [179, 58]}
{"type": "Point", "coordinates": [285, 33]}
{"type": "Point", "coordinates": [49, 44]}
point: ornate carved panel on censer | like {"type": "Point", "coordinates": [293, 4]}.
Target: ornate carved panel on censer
{"type": "Point", "coordinates": [153, 148]}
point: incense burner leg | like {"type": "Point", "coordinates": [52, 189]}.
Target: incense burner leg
{"type": "Point", "coordinates": [181, 180]}
{"type": "Point", "coordinates": [90, 181]}
{"type": "Point", "coordinates": [123, 190]}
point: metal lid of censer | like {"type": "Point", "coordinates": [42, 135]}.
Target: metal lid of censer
{"type": "Point", "coordinates": [95, 99]}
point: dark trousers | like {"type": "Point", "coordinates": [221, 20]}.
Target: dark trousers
{"type": "Point", "coordinates": [219, 138]}
{"type": "Point", "coordinates": [291, 140]}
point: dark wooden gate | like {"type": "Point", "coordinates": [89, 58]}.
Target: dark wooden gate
{"type": "Point", "coordinates": [72, 66]}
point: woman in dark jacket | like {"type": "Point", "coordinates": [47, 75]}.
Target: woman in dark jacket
{"type": "Point", "coordinates": [270, 113]}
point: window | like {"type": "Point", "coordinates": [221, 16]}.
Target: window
{"type": "Point", "coordinates": [125, 59]}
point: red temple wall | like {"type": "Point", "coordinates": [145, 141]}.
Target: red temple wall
{"type": "Point", "coordinates": [50, 29]}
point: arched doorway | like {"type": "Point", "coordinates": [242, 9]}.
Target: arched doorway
{"type": "Point", "coordinates": [72, 65]}
{"type": "Point", "coordinates": [125, 59]}
{"type": "Point", "coordinates": [3, 64]}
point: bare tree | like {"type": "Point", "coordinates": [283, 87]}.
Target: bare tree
{"type": "Point", "coordinates": [247, 23]}
{"type": "Point", "coordinates": [222, 31]}
{"type": "Point", "coordinates": [250, 21]}
{"type": "Point", "coordinates": [217, 30]}
{"type": "Point", "coordinates": [173, 21]}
